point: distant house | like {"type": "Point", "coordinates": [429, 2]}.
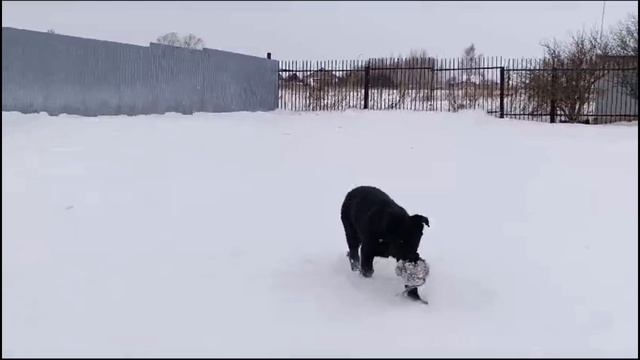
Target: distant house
{"type": "Point", "coordinates": [617, 92]}
{"type": "Point", "coordinates": [293, 77]}
{"type": "Point", "coordinates": [321, 77]}
{"type": "Point", "coordinates": [488, 83]}
{"type": "Point", "coordinates": [351, 77]}
{"type": "Point", "coordinates": [454, 82]}
{"type": "Point", "coordinates": [621, 60]}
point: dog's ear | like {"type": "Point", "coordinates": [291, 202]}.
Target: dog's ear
{"type": "Point", "coordinates": [422, 219]}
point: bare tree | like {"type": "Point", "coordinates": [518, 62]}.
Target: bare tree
{"type": "Point", "coordinates": [410, 78]}
{"type": "Point", "coordinates": [568, 76]}
{"type": "Point", "coordinates": [471, 59]}
{"type": "Point", "coordinates": [624, 38]}
{"type": "Point", "coordinates": [190, 41]}
{"type": "Point", "coordinates": [422, 77]}
{"type": "Point", "coordinates": [172, 39]}
{"type": "Point", "coordinates": [467, 93]}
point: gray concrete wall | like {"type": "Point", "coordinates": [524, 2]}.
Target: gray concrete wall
{"type": "Point", "coordinates": [64, 74]}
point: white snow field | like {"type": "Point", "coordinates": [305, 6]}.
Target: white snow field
{"type": "Point", "coordinates": [219, 235]}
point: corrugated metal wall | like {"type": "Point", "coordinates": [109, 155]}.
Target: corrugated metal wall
{"type": "Point", "coordinates": [64, 74]}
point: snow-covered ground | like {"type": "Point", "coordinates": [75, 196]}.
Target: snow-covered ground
{"type": "Point", "coordinates": [219, 235]}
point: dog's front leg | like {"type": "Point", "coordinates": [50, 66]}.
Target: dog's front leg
{"type": "Point", "coordinates": [367, 253]}
{"type": "Point", "coordinates": [412, 292]}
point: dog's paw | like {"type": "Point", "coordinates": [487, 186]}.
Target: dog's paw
{"type": "Point", "coordinates": [355, 266]}
{"type": "Point", "coordinates": [354, 262]}
{"type": "Point", "coordinates": [366, 273]}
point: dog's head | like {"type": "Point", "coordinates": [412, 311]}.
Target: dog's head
{"type": "Point", "coordinates": [405, 237]}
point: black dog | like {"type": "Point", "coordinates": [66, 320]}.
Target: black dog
{"type": "Point", "coordinates": [377, 226]}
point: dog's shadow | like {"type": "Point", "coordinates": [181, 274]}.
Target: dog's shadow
{"type": "Point", "coordinates": [384, 284]}
{"type": "Point", "coordinates": [330, 284]}
{"type": "Point", "coordinates": [329, 278]}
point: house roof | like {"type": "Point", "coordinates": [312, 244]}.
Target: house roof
{"type": "Point", "coordinates": [322, 72]}
{"type": "Point", "coordinates": [618, 58]}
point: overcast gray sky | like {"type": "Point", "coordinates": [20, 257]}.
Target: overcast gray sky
{"type": "Point", "coordinates": [325, 30]}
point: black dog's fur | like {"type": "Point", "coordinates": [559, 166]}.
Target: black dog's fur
{"type": "Point", "coordinates": [377, 226]}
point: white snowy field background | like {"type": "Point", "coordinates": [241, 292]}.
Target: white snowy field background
{"type": "Point", "coordinates": [219, 235]}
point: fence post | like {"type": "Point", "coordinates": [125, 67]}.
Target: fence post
{"type": "Point", "coordinates": [366, 86]}
{"type": "Point", "coordinates": [268, 55]}
{"type": "Point", "coordinates": [553, 106]}
{"type": "Point", "coordinates": [501, 92]}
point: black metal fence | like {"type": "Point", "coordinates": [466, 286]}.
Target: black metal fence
{"type": "Point", "coordinates": [534, 89]}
